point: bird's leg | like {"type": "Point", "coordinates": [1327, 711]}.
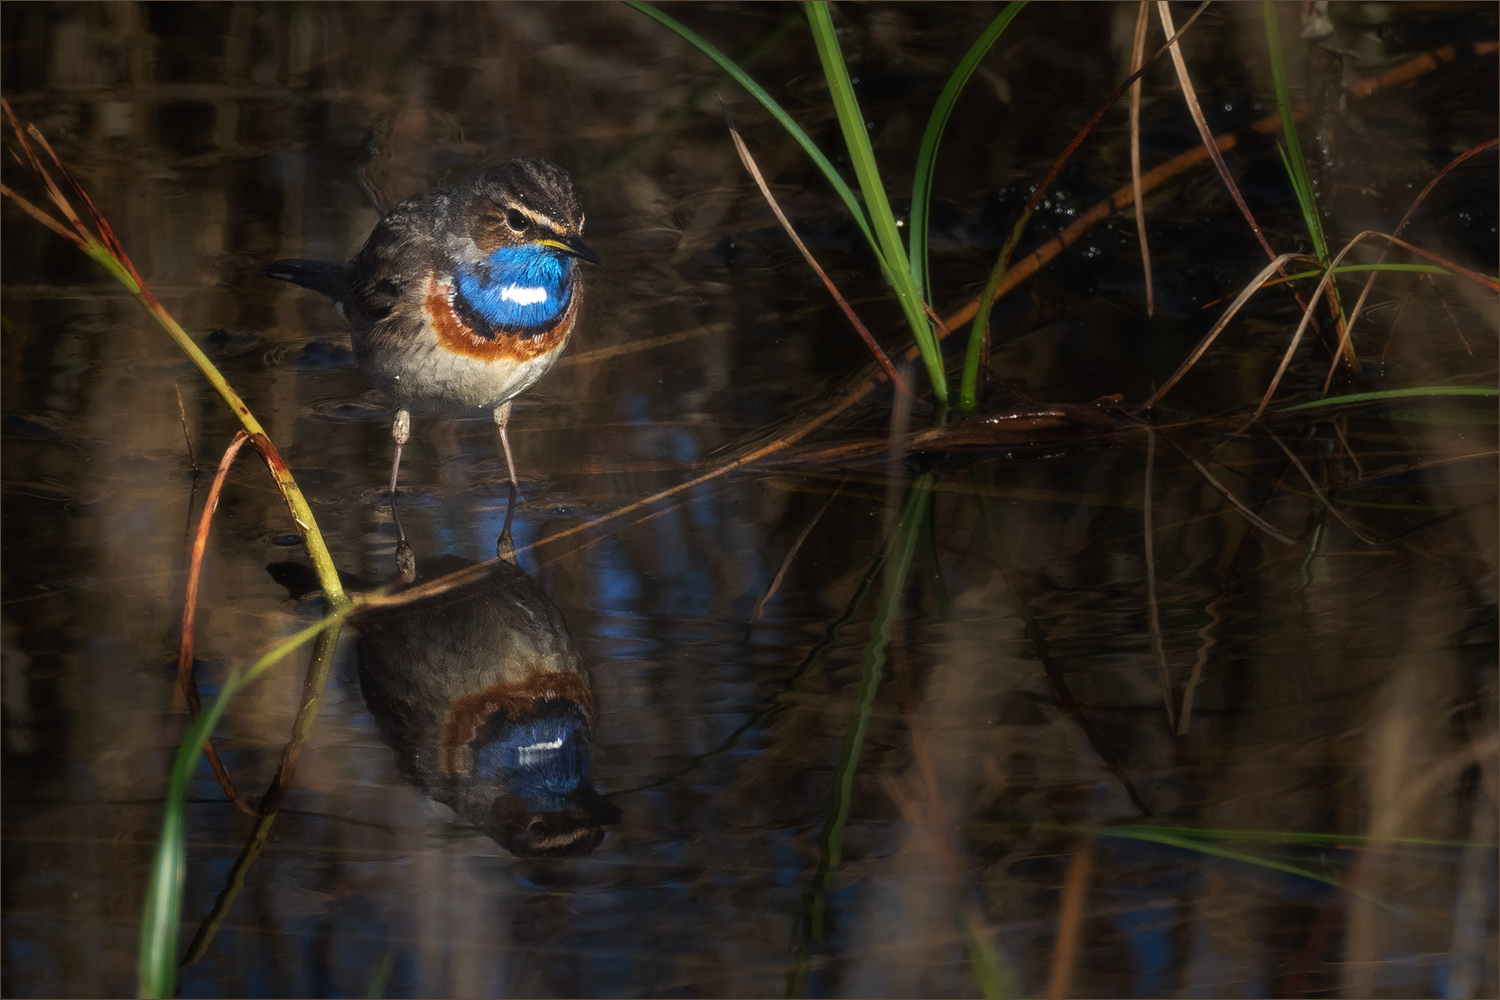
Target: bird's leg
{"type": "Point", "coordinates": [504, 546]}
{"type": "Point", "coordinates": [502, 418]}
{"type": "Point", "coordinates": [406, 560]}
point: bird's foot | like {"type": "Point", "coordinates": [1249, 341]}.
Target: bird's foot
{"type": "Point", "coordinates": [406, 562]}
{"type": "Point", "coordinates": [505, 545]}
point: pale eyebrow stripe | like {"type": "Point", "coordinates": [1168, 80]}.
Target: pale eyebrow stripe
{"type": "Point", "coordinates": [537, 217]}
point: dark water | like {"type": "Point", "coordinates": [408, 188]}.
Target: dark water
{"type": "Point", "coordinates": [781, 810]}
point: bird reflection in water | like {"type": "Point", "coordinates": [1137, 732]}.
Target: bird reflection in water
{"type": "Point", "coordinates": [480, 691]}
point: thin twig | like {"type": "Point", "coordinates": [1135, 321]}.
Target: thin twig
{"type": "Point", "coordinates": [106, 234]}
{"type": "Point", "coordinates": [1124, 197]}
{"type": "Point", "coordinates": [185, 678]}
{"type": "Point", "coordinates": [479, 571]}
{"type": "Point", "coordinates": [1205, 643]}
{"type": "Point", "coordinates": [54, 193]}
{"type": "Point", "coordinates": [1070, 705]}
{"type": "Point", "coordinates": [1291, 349]}
{"type": "Point", "coordinates": [1223, 491]}
{"type": "Point", "coordinates": [42, 217]}
{"type": "Point", "coordinates": [1318, 492]}
{"type": "Point", "coordinates": [1453, 321]}
{"type": "Point", "coordinates": [187, 435]}
{"type": "Point", "coordinates": [1249, 290]}
{"type": "Point", "coordinates": [312, 699]}
{"type": "Point", "coordinates": [859, 327]}
{"type": "Point", "coordinates": [1190, 96]}
{"type": "Point", "coordinates": [1400, 226]}
{"type": "Point", "coordinates": [1158, 645]}
{"type": "Point", "coordinates": [640, 344]}
{"type": "Point", "coordinates": [1070, 920]}
{"type": "Point", "coordinates": [1195, 110]}
{"type": "Point", "coordinates": [1002, 273]}
{"type": "Point", "coordinates": [748, 457]}
{"type": "Point", "coordinates": [1338, 424]}
{"type": "Point", "coordinates": [760, 605]}
{"type": "Point", "coordinates": [1137, 53]}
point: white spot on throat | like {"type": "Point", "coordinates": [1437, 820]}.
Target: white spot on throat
{"type": "Point", "coordinates": [522, 296]}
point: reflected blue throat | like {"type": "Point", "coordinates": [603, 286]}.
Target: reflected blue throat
{"type": "Point", "coordinates": [522, 287]}
{"type": "Point", "coordinates": [542, 758]}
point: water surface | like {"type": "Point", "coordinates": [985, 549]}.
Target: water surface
{"type": "Point", "coordinates": [796, 814]}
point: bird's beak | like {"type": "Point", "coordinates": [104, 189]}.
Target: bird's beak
{"type": "Point", "coordinates": [573, 246]}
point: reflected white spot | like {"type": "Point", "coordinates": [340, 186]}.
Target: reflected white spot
{"type": "Point", "coordinates": [523, 296]}
{"type": "Point", "coordinates": [531, 754]}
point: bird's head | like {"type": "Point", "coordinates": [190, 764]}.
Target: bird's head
{"type": "Point", "coordinates": [528, 202]}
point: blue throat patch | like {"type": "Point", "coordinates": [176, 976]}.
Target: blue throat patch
{"type": "Point", "coordinates": [538, 760]}
{"type": "Point", "coordinates": [525, 289]}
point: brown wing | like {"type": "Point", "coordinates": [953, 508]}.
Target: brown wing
{"type": "Point", "coordinates": [401, 252]}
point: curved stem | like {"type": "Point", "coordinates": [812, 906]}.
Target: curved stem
{"type": "Point", "coordinates": [102, 246]}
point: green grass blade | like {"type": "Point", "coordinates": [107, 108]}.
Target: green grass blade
{"type": "Point", "coordinates": [899, 552]}
{"type": "Point", "coordinates": [1169, 839]}
{"type": "Point", "coordinates": [1359, 268]}
{"type": "Point", "coordinates": [992, 973]}
{"type": "Point", "coordinates": [162, 914]}
{"type": "Point", "coordinates": [902, 547]}
{"type": "Point", "coordinates": [968, 390]}
{"type": "Point", "coordinates": [882, 219]}
{"type": "Point", "coordinates": [1375, 397]}
{"type": "Point", "coordinates": [1296, 164]}
{"type": "Point", "coordinates": [769, 103]}
{"type": "Point", "coordinates": [879, 224]}
{"type": "Point", "coordinates": [314, 685]}
{"type": "Point", "coordinates": [382, 977]}
{"type": "Point", "coordinates": [1306, 203]}
{"type": "Point", "coordinates": [921, 187]}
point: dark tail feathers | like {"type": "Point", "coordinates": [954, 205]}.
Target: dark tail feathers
{"type": "Point", "coordinates": [319, 275]}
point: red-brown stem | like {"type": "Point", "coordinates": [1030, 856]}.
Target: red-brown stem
{"type": "Point", "coordinates": [1070, 919]}
{"type": "Point", "coordinates": [1195, 111]}
{"type": "Point", "coordinates": [1410, 211]}
{"type": "Point", "coordinates": [185, 678]}
{"type": "Point", "coordinates": [53, 191]}
{"type": "Point", "coordinates": [1286, 358]}
{"type": "Point", "coordinates": [1408, 71]}
{"type": "Point", "coordinates": [874, 347]}
{"type": "Point", "coordinates": [106, 234]}
{"type": "Point", "coordinates": [1124, 197]}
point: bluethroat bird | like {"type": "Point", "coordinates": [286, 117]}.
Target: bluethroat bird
{"type": "Point", "coordinates": [463, 296]}
{"type": "Point", "coordinates": [481, 693]}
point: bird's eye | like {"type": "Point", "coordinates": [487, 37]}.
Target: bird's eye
{"type": "Point", "coordinates": [515, 220]}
